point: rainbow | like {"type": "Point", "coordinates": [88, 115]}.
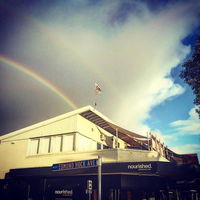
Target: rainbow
{"type": "Point", "coordinates": [69, 49]}
{"type": "Point", "coordinates": [24, 69]}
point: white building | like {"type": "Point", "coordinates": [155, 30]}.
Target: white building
{"type": "Point", "coordinates": [81, 134]}
{"type": "Point", "coordinates": [36, 162]}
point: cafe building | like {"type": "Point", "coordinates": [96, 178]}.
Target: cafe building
{"type": "Point", "coordinates": [83, 155]}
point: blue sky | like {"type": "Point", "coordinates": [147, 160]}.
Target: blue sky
{"type": "Point", "coordinates": [132, 49]}
{"type": "Point", "coordinates": [178, 108]}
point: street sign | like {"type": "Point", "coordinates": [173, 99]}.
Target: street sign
{"type": "Point", "coordinates": [75, 165]}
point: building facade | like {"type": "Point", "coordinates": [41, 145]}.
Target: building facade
{"type": "Point", "coordinates": [133, 166]}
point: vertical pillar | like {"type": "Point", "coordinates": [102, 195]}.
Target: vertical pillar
{"type": "Point", "coordinates": [99, 176]}
{"type": "Point", "coordinates": [117, 136]}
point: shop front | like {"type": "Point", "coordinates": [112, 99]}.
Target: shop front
{"type": "Point", "coordinates": [120, 181]}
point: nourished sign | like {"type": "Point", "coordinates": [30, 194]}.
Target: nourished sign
{"type": "Point", "coordinates": [140, 166]}
{"type": "Point", "coordinates": [75, 165]}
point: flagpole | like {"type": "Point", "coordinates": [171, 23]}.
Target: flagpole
{"type": "Point", "coordinates": [97, 91]}
{"type": "Point", "coordinates": [95, 100]}
{"type": "Point", "coordinates": [117, 136]}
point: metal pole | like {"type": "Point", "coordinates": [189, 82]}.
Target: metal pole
{"type": "Point", "coordinates": [148, 141]}
{"type": "Point", "coordinates": [116, 143]}
{"type": "Point", "coordinates": [95, 100]}
{"type": "Point", "coordinates": [90, 194]}
{"type": "Point", "coordinates": [95, 97]}
{"type": "Point", "coordinates": [99, 177]}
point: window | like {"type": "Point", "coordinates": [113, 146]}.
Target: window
{"type": "Point", "coordinates": [44, 145]}
{"type": "Point", "coordinates": [56, 142]}
{"type": "Point", "coordinates": [68, 143]}
{"type": "Point", "coordinates": [51, 144]}
{"type": "Point", "coordinates": [33, 147]}
{"type": "Point", "coordinates": [62, 143]}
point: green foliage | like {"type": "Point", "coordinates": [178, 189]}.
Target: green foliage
{"type": "Point", "coordinates": [191, 74]}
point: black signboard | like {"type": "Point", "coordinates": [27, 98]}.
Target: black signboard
{"type": "Point", "coordinates": [131, 167]}
{"type": "Point", "coordinates": [141, 167]}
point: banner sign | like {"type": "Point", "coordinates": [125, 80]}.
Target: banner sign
{"type": "Point", "coordinates": [131, 167]}
{"type": "Point", "coordinates": [75, 165]}
{"type": "Point", "coordinates": [141, 167]}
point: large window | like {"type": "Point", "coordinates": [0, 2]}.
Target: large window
{"type": "Point", "coordinates": [62, 143]}
{"type": "Point", "coordinates": [51, 144]}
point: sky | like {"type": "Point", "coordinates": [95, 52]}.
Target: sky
{"type": "Point", "coordinates": [53, 52]}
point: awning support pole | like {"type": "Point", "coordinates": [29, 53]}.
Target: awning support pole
{"type": "Point", "coordinates": [117, 136]}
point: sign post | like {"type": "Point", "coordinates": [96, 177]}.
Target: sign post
{"type": "Point", "coordinates": [89, 188]}
{"type": "Point", "coordinates": [99, 177]}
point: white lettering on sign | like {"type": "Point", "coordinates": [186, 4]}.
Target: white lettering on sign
{"type": "Point", "coordinates": [140, 166]}
{"type": "Point", "coordinates": [64, 192]}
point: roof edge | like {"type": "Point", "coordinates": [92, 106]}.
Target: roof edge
{"type": "Point", "coordinates": [46, 122]}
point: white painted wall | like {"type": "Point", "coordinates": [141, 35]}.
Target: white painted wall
{"type": "Point", "coordinates": [89, 129]}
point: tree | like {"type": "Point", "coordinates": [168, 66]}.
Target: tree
{"type": "Point", "coordinates": [191, 73]}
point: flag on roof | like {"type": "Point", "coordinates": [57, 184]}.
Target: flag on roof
{"type": "Point", "coordinates": [97, 88]}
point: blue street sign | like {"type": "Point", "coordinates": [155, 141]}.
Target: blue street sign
{"type": "Point", "coordinates": [75, 165]}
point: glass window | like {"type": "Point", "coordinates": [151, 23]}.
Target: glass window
{"type": "Point", "coordinates": [53, 144]}
{"type": "Point", "coordinates": [44, 145]}
{"type": "Point", "coordinates": [56, 142]}
{"type": "Point", "coordinates": [33, 147]}
{"type": "Point", "coordinates": [68, 143]}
